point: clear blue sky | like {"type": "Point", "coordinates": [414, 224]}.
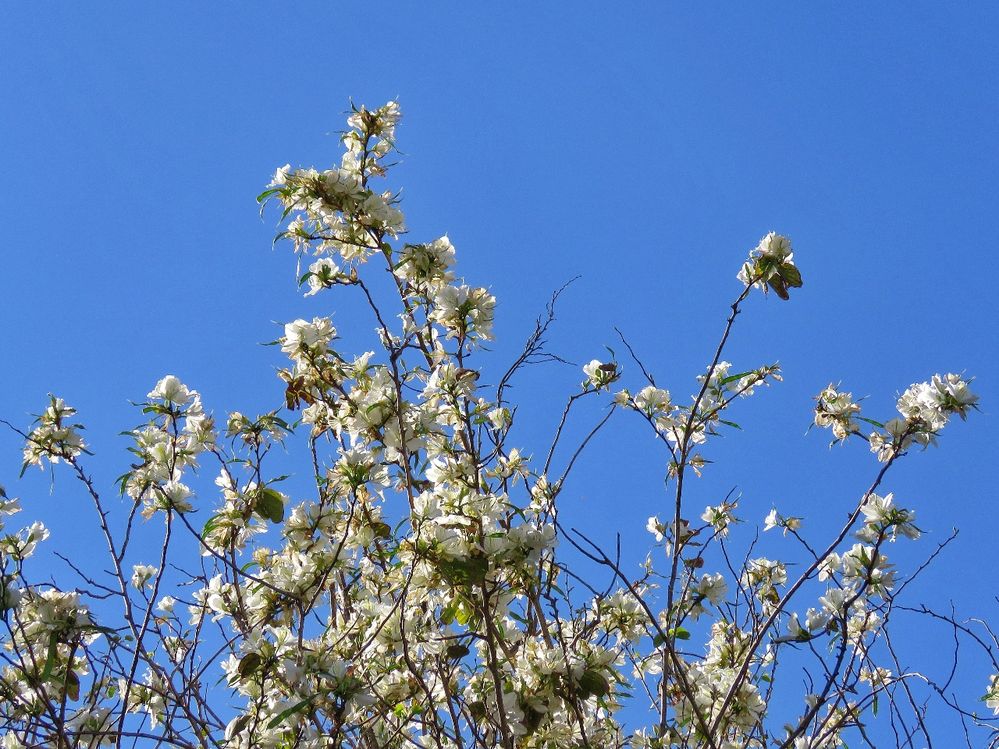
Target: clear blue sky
{"type": "Point", "coordinates": [643, 149]}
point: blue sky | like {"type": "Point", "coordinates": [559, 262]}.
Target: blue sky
{"type": "Point", "coordinates": [644, 149]}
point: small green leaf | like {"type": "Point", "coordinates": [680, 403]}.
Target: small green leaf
{"type": "Point", "coordinates": [457, 651]}
{"type": "Point", "coordinates": [878, 424]}
{"type": "Point", "coordinates": [593, 683]}
{"type": "Point", "coordinates": [733, 378]}
{"type": "Point", "coordinates": [779, 288]}
{"type": "Point", "coordinates": [50, 658]}
{"type": "Point", "coordinates": [270, 505]}
{"type": "Point", "coordinates": [791, 275]}
{"type": "Point", "coordinates": [296, 708]}
{"type": "Point", "coordinates": [471, 571]}
{"type": "Point", "coordinates": [447, 613]}
{"type": "Point", "coordinates": [248, 664]}
{"type": "Point", "coordinates": [477, 709]}
{"type": "Point", "coordinates": [679, 633]}
{"type": "Point", "coordinates": [72, 685]}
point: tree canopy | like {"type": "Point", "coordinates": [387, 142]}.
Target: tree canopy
{"type": "Point", "coordinates": [426, 590]}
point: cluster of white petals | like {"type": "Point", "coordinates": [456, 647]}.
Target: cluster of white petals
{"type": "Point", "coordinates": [54, 438]}
{"type": "Point", "coordinates": [925, 409]}
{"type": "Point", "coordinates": [771, 266]}
{"type": "Point", "coordinates": [836, 411]}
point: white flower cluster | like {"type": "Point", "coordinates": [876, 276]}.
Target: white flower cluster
{"type": "Point", "coordinates": [692, 425]}
{"type": "Point", "coordinates": [304, 341]}
{"type": "Point", "coordinates": [837, 410]}
{"type": "Point", "coordinates": [721, 517]}
{"type": "Point", "coordinates": [771, 266]}
{"type": "Point", "coordinates": [600, 375]}
{"type": "Point", "coordinates": [464, 312]}
{"type": "Point", "coordinates": [16, 547]}
{"type": "Point", "coordinates": [714, 677]}
{"type": "Point", "coordinates": [142, 574]}
{"type": "Point", "coordinates": [336, 210]}
{"type": "Point", "coordinates": [925, 409]}
{"type": "Point", "coordinates": [991, 697]}
{"type": "Point", "coordinates": [427, 267]}
{"type": "Point", "coordinates": [775, 520]}
{"type": "Point", "coordinates": [711, 589]}
{"type": "Point", "coordinates": [764, 576]}
{"type": "Point", "coordinates": [165, 449]}
{"type": "Point", "coordinates": [148, 696]}
{"type": "Point", "coordinates": [51, 628]}
{"type": "Point", "coordinates": [884, 519]}
{"type": "Point", "coordinates": [53, 437]}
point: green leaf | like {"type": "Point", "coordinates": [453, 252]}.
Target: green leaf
{"type": "Point", "coordinates": [679, 633]}
{"type": "Point", "coordinates": [267, 193]}
{"type": "Point", "coordinates": [779, 288]}
{"type": "Point", "coordinates": [296, 708]}
{"type": "Point", "coordinates": [373, 406]}
{"type": "Point", "coordinates": [733, 378]}
{"type": "Point", "coordinates": [209, 525]}
{"type": "Point", "coordinates": [50, 658]}
{"type": "Point", "coordinates": [72, 685]}
{"type": "Point", "coordinates": [270, 505]}
{"type": "Point", "coordinates": [457, 651]}
{"type": "Point", "coordinates": [248, 664]}
{"type": "Point", "coordinates": [471, 571]}
{"type": "Point", "coordinates": [477, 709]}
{"type": "Point", "coordinates": [791, 275]}
{"type": "Point", "coordinates": [381, 530]}
{"type": "Point", "coordinates": [122, 480]}
{"type": "Point", "coordinates": [111, 634]}
{"type": "Point", "coordinates": [448, 612]}
{"type": "Point", "coordinates": [873, 422]}
{"type": "Point", "coordinates": [593, 683]}
{"type": "Point", "coordinates": [241, 722]}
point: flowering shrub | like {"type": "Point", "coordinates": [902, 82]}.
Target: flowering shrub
{"type": "Point", "coordinates": [424, 594]}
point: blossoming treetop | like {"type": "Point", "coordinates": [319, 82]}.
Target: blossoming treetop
{"type": "Point", "coordinates": [426, 593]}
